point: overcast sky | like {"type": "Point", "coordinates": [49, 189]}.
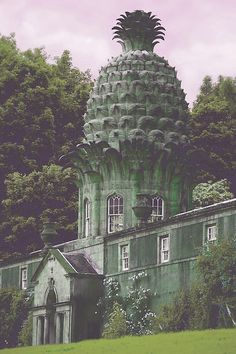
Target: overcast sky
{"type": "Point", "coordinates": [200, 34]}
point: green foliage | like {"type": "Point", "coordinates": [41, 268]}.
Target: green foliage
{"type": "Point", "coordinates": [200, 308]}
{"type": "Point", "coordinates": [25, 335]}
{"type": "Point", "coordinates": [137, 302]}
{"type": "Point", "coordinates": [116, 325]}
{"type": "Point", "coordinates": [41, 117]}
{"type": "Point", "coordinates": [42, 106]}
{"type": "Point", "coordinates": [33, 198]}
{"type": "Point", "coordinates": [135, 306]}
{"type": "Point", "coordinates": [217, 267]}
{"type": "Point", "coordinates": [13, 311]}
{"type": "Point", "coordinates": [213, 131]}
{"type": "Point", "coordinates": [211, 192]}
{"type": "Point", "coordinates": [110, 298]}
{"type": "Point", "coordinates": [172, 317]}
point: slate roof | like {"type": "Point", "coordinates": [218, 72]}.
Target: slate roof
{"type": "Point", "coordinates": [73, 263]}
{"type": "Point", "coordinates": [80, 263]}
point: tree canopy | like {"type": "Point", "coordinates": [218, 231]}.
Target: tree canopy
{"type": "Point", "coordinates": [40, 196]}
{"type": "Point", "coordinates": [211, 192]}
{"type": "Point", "coordinates": [41, 116]}
{"type": "Point", "coordinates": [213, 131]}
{"type": "Point", "coordinates": [41, 107]}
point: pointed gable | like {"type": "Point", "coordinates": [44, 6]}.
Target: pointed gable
{"type": "Point", "coordinates": [75, 263]}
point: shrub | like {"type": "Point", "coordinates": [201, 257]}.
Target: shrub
{"type": "Point", "coordinates": [174, 316]}
{"type": "Point", "coordinates": [13, 311]}
{"type": "Point", "coordinates": [199, 307]}
{"type": "Point", "coordinates": [116, 326]}
{"type": "Point", "coordinates": [139, 314]}
{"type": "Point", "coordinates": [25, 335]}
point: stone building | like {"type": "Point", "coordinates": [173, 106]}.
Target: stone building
{"type": "Point", "coordinates": [134, 196]}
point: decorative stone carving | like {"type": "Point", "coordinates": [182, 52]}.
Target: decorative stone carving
{"type": "Point", "coordinates": [137, 83]}
{"type": "Point", "coordinates": [143, 208]}
{"type": "Point", "coordinates": [49, 233]}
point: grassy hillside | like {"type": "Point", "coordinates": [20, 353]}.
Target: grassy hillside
{"type": "Point", "coordinates": [197, 342]}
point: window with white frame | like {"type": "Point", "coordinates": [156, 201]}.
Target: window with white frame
{"type": "Point", "coordinates": [211, 233]}
{"type": "Point", "coordinates": [157, 209]}
{"type": "Point", "coordinates": [115, 213]}
{"type": "Point", "coordinates": [23, 278]}
{"type": "Point", "coordinates": [164, 249]}
{"type": "Point", "coordinates": [124, 256]}
{"type": "Point", "coordinates": [87, 216]}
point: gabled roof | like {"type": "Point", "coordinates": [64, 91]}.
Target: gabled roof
{"type": "Point", "coordinates": [75, 263]}
{"type": "Point", "coordinates": [80, 263]}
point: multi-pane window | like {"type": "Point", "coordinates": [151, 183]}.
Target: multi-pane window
{"type": "Point", "coordinates": [164, 249]}
{"type": "Point", "coordinates": [211, 233]}
{"type": "Point", "coordinates": [157, 209]}
{"type": "Point", "coordinates": [124, 250]}
{"type": "Point", "coordinates": [23, 278]}
{"type": "Point", "coordinates": [87, 214]}
{"type": "Point", "coordinates": [115, 213]}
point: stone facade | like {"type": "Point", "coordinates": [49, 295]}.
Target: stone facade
{"type": "Point", "coordinates": [134, 197]}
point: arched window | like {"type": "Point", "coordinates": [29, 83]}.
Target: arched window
{"type": "Point", "coordinates": [115, 213]}
{"type": "Point", "coordinates": [87, 215]}
{"type": "Point", "coordinates": [157, 209]}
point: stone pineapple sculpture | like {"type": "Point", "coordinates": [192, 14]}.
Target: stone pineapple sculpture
{"type": "Point", "coordinates": [137, 96]}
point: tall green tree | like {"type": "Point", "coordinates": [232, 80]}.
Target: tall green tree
{"type": "Point", "coordinates": [40, 196]}
{"type": "Point", "coordinates": [213, 131]}
{"type": "Point", "coordinates": [41, 108]}
{"type": "Point", "coordinates": [41, 117]}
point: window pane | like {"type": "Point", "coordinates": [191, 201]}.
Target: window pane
{"type": "Point", "coordinates": [115, 213]}
{"type": "Point", "coordinates": [164, 249]}
{"type": "Point", "coordinates": [124, 251]}
{"type": "Point", "coordinates": [157, 211]}
{"type": "Point", "coordinates": [211, 233]}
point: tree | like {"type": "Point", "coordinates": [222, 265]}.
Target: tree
{"type": "Point", "coordinates": [34, 198]}
{"type": "Point", "coordinates": [41, 108]}
{"type": "Point", "coordinates": [217, 267]}
{"type": "Point", "coordinates": [211, 192]}
{"type": "Point", "coordinates": [41, 117]}
{"type": "Point", "coordinates": [213, 131]}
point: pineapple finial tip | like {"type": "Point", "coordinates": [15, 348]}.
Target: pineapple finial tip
{"type": "Point", "coordinates": [138, 30]}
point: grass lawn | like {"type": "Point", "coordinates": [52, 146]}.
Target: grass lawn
{"type": "Point", "coordinates": [221, 341]}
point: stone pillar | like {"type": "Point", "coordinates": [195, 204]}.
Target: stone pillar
{"type": "Point", "coordinates": [67, 328]}
{"type": "Point", "coordinates": [39, 330]}
{"type": "Point", "coordinates": [35, 330]}
{"type": "Point", "coordinates": [46, 330]}
{"type": "Point", "coordinates": [58, 328]}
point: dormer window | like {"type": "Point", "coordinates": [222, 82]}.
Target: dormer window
{"type": "Point", "coordinates": [115, 213]}
{"type": "Point", "coordinates": [87, 215]}
{"type": "Point", "coordinates": [157, 209]}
